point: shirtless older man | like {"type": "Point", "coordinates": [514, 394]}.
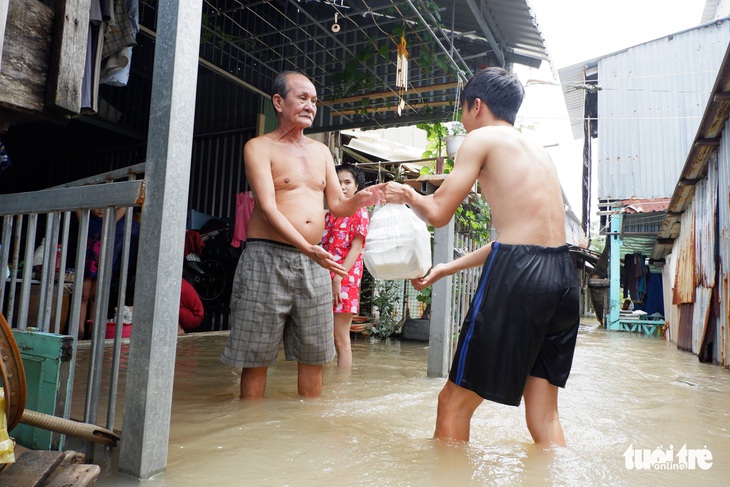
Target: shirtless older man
{"type": "Point", "coordinates": [519, 336]}
{"type": "Point", "coordinates": [282, 285]}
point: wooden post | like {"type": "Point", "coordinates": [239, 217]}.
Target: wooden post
{"type": "Point", "coordinates": [3, 19]}
{"type": "Point", "coordinates": [68, 55]}
{"type": "Point", "coordinates": [25, 56]}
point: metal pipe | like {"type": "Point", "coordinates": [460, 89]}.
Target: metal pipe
{"type": "Point", "coordinates": [96, 360]}
{"type": "Point", "coordinates": [27, 271]}
{"type": "Point", "coordinates": [5, 255]}
{"type": "Point", "coordinates": [85, 431]}
{"type": "Point", "coordinates": [14, 274]}
{"type": "Point", "coordinates": [73, 326]}
{"type": "Point", "coordinates": [61, 280]}
{"type": "Point", "coordinates": [117, 351]}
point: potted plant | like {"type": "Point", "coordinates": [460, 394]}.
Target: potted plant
{"type": "Point", "coordinates": [455, 133]}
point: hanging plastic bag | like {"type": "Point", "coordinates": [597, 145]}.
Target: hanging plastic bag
{"type": "Point", "coordinates": [398, 244]}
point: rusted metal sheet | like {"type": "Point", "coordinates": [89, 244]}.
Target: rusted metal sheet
{"type": "Point", "coordinates": [705, 208]}
{"type": "Point", "coordinates": [671, 312]}
{"type": "Point", "coordinates": [684, 285]}
{"type": "Point", "coordinates": [684, 337]}
{"type": "Point", "coordinates": [700, 316]}
{"type": "Point", "coordinates": [722, 330]}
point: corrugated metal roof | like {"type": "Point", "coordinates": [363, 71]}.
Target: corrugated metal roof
{"type": "Point", "coordinates": [646, 206]}
{"type": "Point", "coordinates": [710, 10]}
{"type": "Point", "coordinates": [574, 86]}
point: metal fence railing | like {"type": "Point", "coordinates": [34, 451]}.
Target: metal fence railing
{"type": "Point", "coordinates": [42, 265]}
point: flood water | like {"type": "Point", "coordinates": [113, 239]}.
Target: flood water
{"type": "Point", "coordinates": [372, 426]}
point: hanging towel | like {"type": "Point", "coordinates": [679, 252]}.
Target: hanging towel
{"type": "Point", "coordinates": [244, 209]}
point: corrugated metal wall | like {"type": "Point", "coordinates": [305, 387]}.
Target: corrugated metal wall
{"type": "Point", "coordinates": [705, 210]}
{"type": "Point", "coordinates": [651, 100]}
{"type": "Point", "coordinates": [683, 250]}
{"type": "Point", "coordinates": [671, 313]}
{"type": "Point", "coordinates": [695, 271]}
{"type": "Point", "coordinates": [722, 331]}
{"type": "Point", "coordinates": [701, 259]}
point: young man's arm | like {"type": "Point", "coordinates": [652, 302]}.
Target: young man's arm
{"type": "Point", "coordinates": [438, 208]}
{"type": "Point", "coordinates": [472, 259]}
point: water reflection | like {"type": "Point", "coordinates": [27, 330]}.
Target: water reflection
{"type": "Point", "coordinates": [372, 426]}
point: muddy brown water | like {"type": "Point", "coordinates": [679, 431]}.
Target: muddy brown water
{"type": "Point", "coordinates": [636, 411]}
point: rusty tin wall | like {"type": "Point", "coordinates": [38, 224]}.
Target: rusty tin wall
{"type": "Point", "coordinates": [722, 334]}
{"type": "Point", "coordinates": [695, 251]}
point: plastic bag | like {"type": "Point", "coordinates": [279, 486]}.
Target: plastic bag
{"type": "Point", "coordinates": [398, 245]}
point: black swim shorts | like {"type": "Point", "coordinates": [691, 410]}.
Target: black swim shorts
{"type": "Point", "coordinates": [523, 322]}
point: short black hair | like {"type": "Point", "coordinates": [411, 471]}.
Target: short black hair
{"type": "Point", "coordinates": [280, 86]}
{"type": "Point", "coordinates": [499, 89]}
{"type": "Point", "coordinates": [356, 172]}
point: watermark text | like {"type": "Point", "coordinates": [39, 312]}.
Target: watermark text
{"type": "Point", "coordinates": [661, 458]}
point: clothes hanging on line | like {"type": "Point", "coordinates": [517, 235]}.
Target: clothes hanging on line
{"type": "Point", "coordinates": [244, 210]}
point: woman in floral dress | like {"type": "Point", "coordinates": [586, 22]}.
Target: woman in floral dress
{"type": "Point", "coordinates": [344, 237]}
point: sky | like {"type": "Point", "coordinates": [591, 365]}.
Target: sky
{"type": "Point", "coordinates": [580, 30]}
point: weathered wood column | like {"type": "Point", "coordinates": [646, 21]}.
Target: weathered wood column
{"type": "Point", "coordinates": [148, 397]}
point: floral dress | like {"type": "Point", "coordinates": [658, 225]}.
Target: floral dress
{"type": "Point", "coordinates": [339, 232]}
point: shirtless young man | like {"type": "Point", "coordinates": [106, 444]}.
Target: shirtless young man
{"type": "Point", "coordinates": [282, 286]}
{"type": "Point", "coordinates": [519, 336]}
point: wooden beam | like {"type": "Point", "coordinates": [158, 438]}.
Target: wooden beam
{"type": "Point", "coordinates": [3, 19]}
{"type": "Point", "coordinates": [708, 142]}
{"type": "Point", "coordinates": [390, 94]}
{"type": "Point", "coordinates": [25, 56]}
{"type": "Point", "coordinates": [340, 113]}
{"type": "Point", "coordinates": [68, 55]}
{"type": "Point", "coordinates": [721, 96]}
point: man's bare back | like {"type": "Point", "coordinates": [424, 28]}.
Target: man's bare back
{"type": "Point", "coordinates": [520, 182]}
{"type": "Point", "coordinates": [517, 178]}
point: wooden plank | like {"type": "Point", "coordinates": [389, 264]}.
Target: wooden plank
{"type": "Point", "coordinates": [68, 55]}
{"type": "Point", "coordinates": [31, 469]}
{"type": "Point", "coordinates": [25, 56]}
{"type": "Point", "coordinates": [3, 19]}
{"type": "Point", "coordinates": [76, 475]}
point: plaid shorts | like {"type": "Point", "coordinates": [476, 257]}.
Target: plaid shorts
{"type": "Point", "coordinates": [279, 294]}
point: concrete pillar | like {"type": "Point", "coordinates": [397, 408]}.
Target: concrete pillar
{"type": "Point", "coordinates": [148, 398]}
{"type": "Point", "coordinates": [439, 338]}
